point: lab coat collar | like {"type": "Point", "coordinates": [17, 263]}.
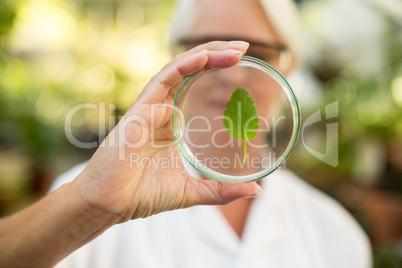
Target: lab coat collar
{"type": "Point", "coordinates": [263, 227]}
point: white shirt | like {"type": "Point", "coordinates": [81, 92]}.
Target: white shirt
{"type": "Point", "coordinates": [290, 225]}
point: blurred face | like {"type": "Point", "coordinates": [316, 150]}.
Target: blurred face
{"type": "Point", "coordinates": [230, 20]}
{"type": "Point", "coordinates": [244, 20]}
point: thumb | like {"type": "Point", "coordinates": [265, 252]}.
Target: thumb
{"type": "Point", "coordinates": [233, 191]}
{"type": "Point", "coordinates": [210, 192]}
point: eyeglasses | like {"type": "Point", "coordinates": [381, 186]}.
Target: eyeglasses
{"type": "Point", "coordinates": [275, 54]}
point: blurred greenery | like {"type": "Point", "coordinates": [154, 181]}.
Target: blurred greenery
{"type": "Point", "coordinates": [368, 177]}
{"type": "Point", "coordinates": [55, 54]}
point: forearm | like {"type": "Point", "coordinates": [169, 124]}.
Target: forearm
{"type": "Point", "coordinates": [45, 233]}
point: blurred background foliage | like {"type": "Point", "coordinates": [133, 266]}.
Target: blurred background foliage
{"type": "Point", "coordinates": [56, 54]}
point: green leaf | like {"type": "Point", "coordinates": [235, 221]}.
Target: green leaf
{"type": "Point", "coordinates": [240, 117]}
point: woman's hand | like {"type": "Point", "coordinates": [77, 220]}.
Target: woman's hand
{"type": "Point", "coordinates": [113, 189]}
{"type": "Point", "coordinates": [124, 180]}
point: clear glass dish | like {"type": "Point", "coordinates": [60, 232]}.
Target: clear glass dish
{"type": "Point", "coordinates": [200, 133]}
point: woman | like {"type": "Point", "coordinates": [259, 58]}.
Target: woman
{"type": "Point", "coordinates": [290, 225]}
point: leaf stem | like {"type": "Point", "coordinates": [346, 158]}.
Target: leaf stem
{"type": "Point", "coordinates": [245, 151]}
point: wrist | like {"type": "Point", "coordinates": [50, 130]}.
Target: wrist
{"type": "Point", "coordinates": [87, 213]}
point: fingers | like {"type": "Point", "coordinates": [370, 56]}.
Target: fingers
{"type": "Point", "coordinates": [223, 59]}
{"type": "Point", "coordinates": [171, 77]}
{"type": "Point", "coordinates": [210, 192]}
{"type": "Point", "coordinates": [218, 46]}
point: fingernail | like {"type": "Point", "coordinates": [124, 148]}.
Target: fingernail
{"type": "Point", "coordinates": [259, 192]}
{"type": "Point", "coordinates": [241, 44]}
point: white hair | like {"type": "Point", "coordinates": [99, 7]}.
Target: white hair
{"type": "Point", "coordinates": [282, 14]}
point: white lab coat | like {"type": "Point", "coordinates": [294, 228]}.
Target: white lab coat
{"type": "Point", "coordinates": [290, 225]}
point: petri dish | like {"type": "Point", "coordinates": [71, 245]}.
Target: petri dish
{"type": "Point", "coordinates": [204, 140]}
